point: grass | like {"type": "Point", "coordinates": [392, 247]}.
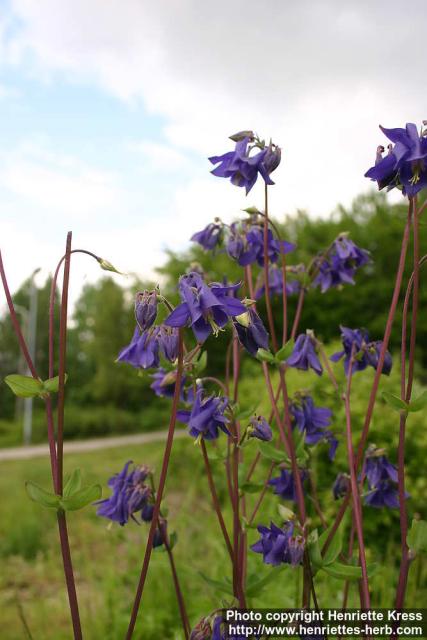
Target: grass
{"type": "Point", "coordinates": [107, 559]}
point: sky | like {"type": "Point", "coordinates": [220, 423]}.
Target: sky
{"type": "Point", "coordinates": [110, 109]}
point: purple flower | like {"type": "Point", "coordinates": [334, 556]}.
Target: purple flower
{"type": "Point", "coordinates": [279, 545]}
{"type": "Point", "coordinates": [382, 480]}
{"type": "Point", "coordinates": [246, 244]}
{"type": "Point", "coordinates": [275, 284]}
{"type": "Point", "coordinates": [164, 384]}
{"type": "Point", "coordinates": [130, 495]}
{"type": "Point", "coordinates": [365, 353]}
{"type": "Point", "coordinates": [251, 331]}
{"type": "Point", "coordinates": [208, 237]}
{"type": "Point", "coordinates": [284, 485]}
{"type": "Point", "coordinates": [143, 350]}
{"type": "Point", "coordinates": [405, 164]}
{"type": "Point", "coordinates": [341, 485]}
{"type": "Point", "coordinates": [313, 421]}
{"type": "Point", "coordinates": [260, 429]}
{"type": "Point", "coordinates": [304, 354]}
{"type": "Point", "coordinates": [243, 168]}
{"type": "Point", "coordinates": [206, 308]}
{"type": "Point", "coordinates": [168, 339]}
{"type": "Point", "coordinates": [206, 417]}
{"type": "Point", "coordinates": [340, 266]}
{"type": "Point", "coordinates": [145, 309]}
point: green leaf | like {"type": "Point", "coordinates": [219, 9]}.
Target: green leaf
{"type": "Point", "coordinates": [202, 362]}
{"type": "Point", "coordinates": [419, 403]}
{"type": "Point", "coordinates": [173, 539]}
{"type": "Point", "coordinates": [343, 571]}
{"type": "Point", "coordinates": [269, 451]}
{"type": "Point", "coordinates": [256, 584]}
{"type": "Point", "coordinates": [334, 548]}
{"type": "Point", "coordinates": [251, 487]}
{"type": "Point", "coordinates": [73, 484]}
{"type": "Point", "coordinates": [225, 587]}
{"type": "Point", "coordinates": [265, 356]}
{"type": "Point", "coordinates": [43, 497]}
{"type": "Point", "coordinates": [314, 550]}
{"type": "Point", "coordinates": [52, 384]}
{"type": "Point", "coordinates": [81, 498]}
{"type": "Point", "coordinates": [417, 536]}
{"type": "Point", "coordinates": [24, 386]}
{"type": "Point", "coordinates": [394, 401]}
{"type": "Point", "coordinates": [245, 414]}
{"type": "Point", "coordinates": [285, 351]}
{"type": "Point", "coordinates": [216, 454]}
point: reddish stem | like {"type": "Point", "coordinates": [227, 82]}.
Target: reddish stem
{"type": "Point", "coordinates": [160, 490]}
{"type": "Point", "coordinates": [215, 499]}
{"type": "Point", "coordinates": [266, 274]}
{"type": "Point", "coordinates": [179, 596]}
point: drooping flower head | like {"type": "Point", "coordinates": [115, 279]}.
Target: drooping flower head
{"type": "Point", "coordinates": [284, 485]}
{"type": "Point", "coordinates": [340, 265]}
{"type": "Point", "coordinates": [365, 353]}
{"type": "Point", "coordinates": [404, 166]}
{"type": "Point", "coordinates": [206, 417]}
{"type": "Point", "coordinates": [313, 421]}
{"type": "Point", "coordinates": [341, 485]}
{"type": "Point", "coordinates": [382, 480]}
{"type": "Point", "coordinates": [130, 495]}
{"type": "Point", "coordinates": [206, 308]}
{"type": "Point", "coordinates": [251, 331]}
{"type": "Point", "coordinates": [164, 382]}
{"type": "Point", "coordinates": [145, 309]}
{"type": "Point", "coordinates": [242, 166]}
{"type": "Point", "coordinates": [280, 545]}
{"type": "Point", "coordinates": [143, 350]}
{"type": "Point", "coordinates": [209, 237]}
{"type": "Point", "coordinates": [260, 429]}
{"type": "Point", "coordinates": [304, 354]}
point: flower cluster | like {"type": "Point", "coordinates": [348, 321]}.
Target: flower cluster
{"type": "Point", "coordinates": [340, 265]}
{"type": "Point", "coordinates": [279, 545]}
{"type": "Point", "coordinates": [404, 166]}
{"type": "Point", "coordinates": [275, 282]}
{"type": "Point", "coordinates": [206, 308]}
{"type": "Point", "coordinates": [243, 168]}
{"type": "Point", "coordinates": [363, 352]}
{"type": "Point", "coordinates": [206, 416]}
{"type": "Point", "coordinates": [313, 421]}
{"type": "Point", "coordinates": [143, 351]}
{"type": "Point", "coordinates": [284, 485]}
{"type": "Point", "coordinates": [130, 495]}
{"type": "Point", "coordinates": [382, 479]}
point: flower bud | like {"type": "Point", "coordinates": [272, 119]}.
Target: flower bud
{"type": "Point", "coordinates": [146, 309]}
{"type": "Point", "coordinates": [202, 630]}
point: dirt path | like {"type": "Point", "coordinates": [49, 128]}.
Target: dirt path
{"type": "Point", "coordinates": [36, 451]}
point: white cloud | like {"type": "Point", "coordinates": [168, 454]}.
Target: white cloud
{"type": "Point", "coordinates": [160, 157]}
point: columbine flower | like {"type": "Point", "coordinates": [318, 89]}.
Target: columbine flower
{"type": "Point", "coordinates": [206, 308]}
{"type": "Point", "coordinates": [284, 485]}
{"type": "Point", "coordinates": [365, 353]}
{"type": "Point", "coordinates": [208, 237]}
{"type": "Point", "coordinates": [382, 481]}
{"type": "Point", "coordinates": [130, 495]}
{"type": "Point", "coordinates": [304, 354]}
{"type": "Point", "coordinates": [164, 384]}
{"type": "Point", "coordinates": [260, 429]}
{"type": "Point", "coordinates": [340, 266]}
{"type": "Point", "coordinates": [168, 339]}
{"type": "Point", "coordinates": [143, 350]}
{"type": "Point", "coordinates": [145, 309]}
{"type": "Point", "coordinates": [279, 545]}
{"type": "Point", "coordinates": [251, 331]}
{"type": "Point", "coordinates": [206, 416]}
{"type": "Point", "coordinates": [243, 168]}
{"type": "Point", "coordinates": [341, 485]}
{"type": "Point", "coordinates": [313, 421]}
{"type": "Point", "coordinates": [275, 284]}
{"type": "Point", "coordinates": [405, 164]}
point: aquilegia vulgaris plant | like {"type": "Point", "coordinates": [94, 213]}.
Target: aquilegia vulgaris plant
{"type": "Point", "coordinates": [269, 449]}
